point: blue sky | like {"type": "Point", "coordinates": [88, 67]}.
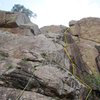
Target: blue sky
{"type": "Point", "coordinates": [56, 12]}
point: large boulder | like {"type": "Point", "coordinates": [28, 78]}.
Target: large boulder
{"type": "Point", "coordinates": [17, 23]}
{"type": "Point", "coordinates": [10, 19]}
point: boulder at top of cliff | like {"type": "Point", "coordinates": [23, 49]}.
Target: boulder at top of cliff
{"type": "Point", "coordinates": [16, 22]}
{"type": "Point", "coordinates": [15, 94]}
{"type": "Point", "coordinates": [10, 19]}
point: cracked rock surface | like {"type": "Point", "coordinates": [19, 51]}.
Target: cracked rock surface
{"type": "Point", "coordinates": [34, 65]}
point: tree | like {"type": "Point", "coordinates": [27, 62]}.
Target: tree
{"type": "Point", "coordinates": [22, 9]}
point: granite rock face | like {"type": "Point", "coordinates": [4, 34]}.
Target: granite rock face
{"type": "Point", "coordinates": [85, 49]}
{"type": "Point", "coordinates": [34, 65]}
{"type": "Point", "coordinates": [88, 31]}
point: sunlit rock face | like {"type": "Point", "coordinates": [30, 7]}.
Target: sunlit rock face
{"type": "Point", "coordinates": [33, 60]}
{"type": "Point", "coordinates": [88, 31]}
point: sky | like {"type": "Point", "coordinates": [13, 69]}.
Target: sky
{"type": "Point", "coordinates": [56, 12]}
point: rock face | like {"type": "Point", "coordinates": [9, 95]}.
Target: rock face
{"type": "Point", "coordinates": [85, 49]}
{"type": "Point", "coordinates": [88, 31]}
{"type": "Point", "coordinates": [34, 66]}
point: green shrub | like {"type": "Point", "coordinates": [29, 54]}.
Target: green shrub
{"type": "Point", "coordinates": [93, 81]}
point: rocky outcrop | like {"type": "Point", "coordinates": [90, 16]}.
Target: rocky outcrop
{"type": "Point", "coordinates": [10, 19]}
{"type": "Point", "coordinates": [34, 65]}
{"type": "Point", "coordinates": [37, 54]}
{"type": "Point", "coordinates": [17, 23]}
{"type": "Point", "coordinates": [85, 50]}
{"type": "Point", "coordinates": [87, 30]}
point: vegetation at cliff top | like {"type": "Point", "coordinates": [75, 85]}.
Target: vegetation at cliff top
{"type": "Point", "coordinates": [21, 8]}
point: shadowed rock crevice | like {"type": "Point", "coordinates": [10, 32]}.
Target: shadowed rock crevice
{"type": "Point", "coordinates": [97, 59]}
